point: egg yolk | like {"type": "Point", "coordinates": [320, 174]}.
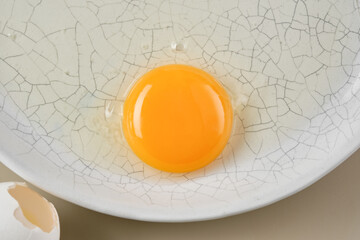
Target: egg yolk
{"type": "Point", "coordinates": [177, 118]}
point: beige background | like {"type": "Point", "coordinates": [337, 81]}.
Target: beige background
{"type": "Point", "coordinates": [329, 209]}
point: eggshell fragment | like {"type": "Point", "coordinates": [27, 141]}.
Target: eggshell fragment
{"type": "Point", "coordinates": [25, 215]}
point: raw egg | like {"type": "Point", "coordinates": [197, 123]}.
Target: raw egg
{"type": "Point", "coordinates": [177, 118]}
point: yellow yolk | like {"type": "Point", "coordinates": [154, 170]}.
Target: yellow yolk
{"type": "Point", "coordinates": [177, 118]}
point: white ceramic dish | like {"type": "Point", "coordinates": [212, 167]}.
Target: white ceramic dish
{"type": "Point", "coordinates": [292, 69]}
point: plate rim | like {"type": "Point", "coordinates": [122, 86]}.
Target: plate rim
{"type": "Point", "coordinates": [286, 191]}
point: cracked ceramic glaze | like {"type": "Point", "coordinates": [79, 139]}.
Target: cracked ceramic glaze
{"type": "Point", "coordinates": [292, 68]}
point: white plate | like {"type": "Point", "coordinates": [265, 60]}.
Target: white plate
{"type": "Point", "coordinates": [292, 69]}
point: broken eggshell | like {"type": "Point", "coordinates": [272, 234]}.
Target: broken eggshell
{"type": "Point", "coordinates": [25, 215]}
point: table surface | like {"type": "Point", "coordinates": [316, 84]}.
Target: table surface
{"type": "Point", "coordinates": [329, 209]}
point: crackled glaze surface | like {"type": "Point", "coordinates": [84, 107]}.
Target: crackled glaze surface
{"type": "Point", "coordinates": [292, 68]}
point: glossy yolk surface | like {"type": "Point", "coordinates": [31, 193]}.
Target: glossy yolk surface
{"type": "Point", "coordinates": [177, 118]}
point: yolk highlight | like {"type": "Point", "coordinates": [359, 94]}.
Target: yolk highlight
{"type": "Point", "coordinates": [177, 118]}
